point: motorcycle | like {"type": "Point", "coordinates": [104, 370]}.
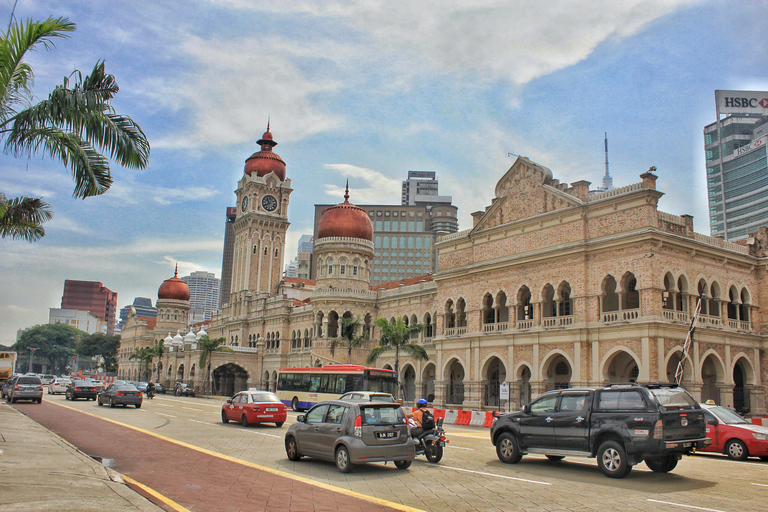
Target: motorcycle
{"type": "Point", "coordinates": [431, 443]}
{"type": "Point", "coordinates": [150, 394]}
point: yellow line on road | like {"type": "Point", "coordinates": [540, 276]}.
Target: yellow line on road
{"type": "Point", "coordinates": [347, 492]}
{"type": "Point", "coordinates": [149, 490]}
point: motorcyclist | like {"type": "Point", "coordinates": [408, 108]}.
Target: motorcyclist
{"type": "Point", "coordinates": [417, 417]}
{"type": "Point", "coordinates": [150, 389]}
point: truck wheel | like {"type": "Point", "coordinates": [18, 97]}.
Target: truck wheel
{"type": "Point", "coordinates": [663, 464]}
{"type": "Point", "coordinates": [612, 460]}
{"type": "Point", "coordinates": [507, 449]}
{"type": "Point", "coordinates": [736, 450]}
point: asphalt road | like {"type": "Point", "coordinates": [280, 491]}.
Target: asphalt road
{"type": "Point", "coordinates": [470, 477]}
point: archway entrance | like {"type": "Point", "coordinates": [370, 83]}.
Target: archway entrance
{"type": "Point", "coordinates": [409, 384]}
{"type": "Point", "coordinates": [494, 374]}
{"type": "Point", "coordinates": [228, 379]}
{"type": "Point", "coordinates": [524, 385]}
{"type": "Point", "coordinates": [711, 375]}
{"type": "Point", "coordinates": [621, 368]}
{"type": "Point", "coordinates": [455, 389]}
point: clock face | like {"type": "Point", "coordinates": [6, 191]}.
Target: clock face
{"type": "Point", "coordinates": [269, 203]}
{"type": "Point", "coordinates": [244, 203]}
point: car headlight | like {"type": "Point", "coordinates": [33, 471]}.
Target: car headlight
{"type": "Point", "coordinates": [761, 437]}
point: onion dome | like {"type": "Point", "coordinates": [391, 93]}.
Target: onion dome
{"type": "Point", "coordinates": [345, 220]}
{"type": "Point", "coordinates": [190, 337]}
{"type": "Point", "coordinates": [201, 333]}
{"type": "Point", "coordinates": [265, 161]}
{"type": "Point", "coordinates": [178, 340]}
{"type": "Point", "coordinates": [173, 288]}
{"type": "Point", "coordinates": [168, 340]}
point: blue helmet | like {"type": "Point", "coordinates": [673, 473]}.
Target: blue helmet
{"type": "Point", "coordinates": [421, 402]}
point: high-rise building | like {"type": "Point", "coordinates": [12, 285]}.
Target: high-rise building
{"type": "Point", "coordinates": [228, 254]}
{"type": "Point", "coordinates": [737, 169]}
{"type": "Point", "coordinates": [405, 235]}
{"type": "Point", "coordinates": [78, 319]}
{"type": "Point", "coordinates": [292, 268]}
{"type": "Point", "coordinates": [204, 292]}
{"type": "Point", "coordinates": [143, 307]}
{"type": "Point", "coordinates": [91, 296]}
{"type": "Point", "coordinates": [304, 257]}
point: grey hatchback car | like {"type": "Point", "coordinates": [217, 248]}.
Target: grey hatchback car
{"type": "Point", "coordinates": [25, 387]}
{"type": "Point", "coordinates": [352, 432]}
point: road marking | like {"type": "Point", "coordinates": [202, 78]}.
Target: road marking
{"type": "Point", "coordinates": [164, 405]}
{"type": "Point", "coordinates": [461, 448]}
{"type": "Point", "coordinates": [186, 402]}
{"type": "Point", "coordinates": [321, 485]}
{"type": "Point", "coordinates": [760, 485]}
{"type": "Point", "coordinates": [191, 409]}
{"type": "Point", "coordinates": [169, 415]}
{"type": "Point", "coordinates": [477, 436]}
{"type": "Point", "coordinates": [152, 492]}
{"type": "Point", "coordinates": [205, 422]}
{"type": "Point", "coordinates": [685, 506]}
{"type": "Point", "coordinates": [263, 434]}
{"type": "Point", "coordinates": [489, 474]}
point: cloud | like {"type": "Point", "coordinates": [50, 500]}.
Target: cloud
{"type": "Point", "coordinates": [379, 190]}
{"type": "Point", "coordinates": [64, 223]}
{"type": "Point", "coordinates": [130, 192]}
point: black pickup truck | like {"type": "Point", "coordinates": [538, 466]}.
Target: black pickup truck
{"type": "Point", "coordinates": [622, 425]}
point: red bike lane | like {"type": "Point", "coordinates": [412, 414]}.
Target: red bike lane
{"type": "Point", "coordinates": [191, 477]}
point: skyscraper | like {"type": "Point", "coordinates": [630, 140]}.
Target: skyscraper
{"type": "Point", "coordinates": [143, 307]}
{"type": "Point", "coordinates": [228, 254]}
{"type": "Point", "coordinates": [91, 296]}
{"type": "Point", "coordinates": [737, 170]}
{"type": "Point", "coordinates": [204, 292]}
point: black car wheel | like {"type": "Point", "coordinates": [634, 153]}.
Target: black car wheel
{"type": "Point", "coordinates": [98, 402]}
{"type": "Point", "coordinates": [112, 403]}
{"type": "Point", "coordinates": [279, 424]}
{"type": "Point", "coordinates": [244, 421]}
{"type": "Point", "coordinates": [612, 460]}
{"type": "Point", "coordinates": [403, 464]}
{"type": "Point", "coordinates": [433, 453]}
{"type": "Point", "coordinates": [663, 464]}
{"type": "Point", "coordinates": [138, 406]}
{"type": "Point", "coordinates": [342, 460]}
{"type": "Point", "coordinates": [224, 418]}
{"type": "Point", "coordinates": [295, 404]}
{"type": "Point", "coordinates": [507, 449]}
{"type": "Point", "coordinates": [555, 458]}
{"type": "Point", "coordinates": [291, 449]}
{"type": "Point", "coordinates": [736, 450]}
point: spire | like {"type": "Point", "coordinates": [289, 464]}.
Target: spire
{"type": "Point", "coordinates": [176, 272]}
{"type": "Point", "coordinates": [268, 119]}
{"type": "Point", "coordinates": [607, 180]}
{"type": "Point", "coordinates": [346, 192]}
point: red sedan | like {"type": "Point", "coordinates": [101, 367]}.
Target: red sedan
{"type": "Point", "coordinates": [733, 435]}
{"type": "Point", "coordinates": [254, 407]}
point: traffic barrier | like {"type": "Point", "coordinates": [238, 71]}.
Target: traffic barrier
{"type": "Point", "coordinates": [439, 413]}
{"type": "Point", "coordinates": [463, 417]}
{"type": "Point", "coordinates": [489, 419]}
{"type": "Point", "coordinates": [477, 419]}
{"type": "Point", "coordinates": [760, 421]}
{"type": "Point", "coordinates": [450, 417]}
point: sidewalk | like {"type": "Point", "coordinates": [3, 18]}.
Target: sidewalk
{"type": "Point", "coordinates": [42, 472]}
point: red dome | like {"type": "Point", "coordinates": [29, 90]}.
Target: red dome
{"type": "Point", "coordinates": [173, 288]}
{"type": "Point", "coordinates": [265, 161]}
{"type": "Point", "coordinates": [345, 220]}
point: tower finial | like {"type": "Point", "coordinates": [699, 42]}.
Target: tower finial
{"type": "Point", "coordinates": [268, 120]}
{"type": "Point", "coordinates": [176, 272]}
{"type": "Point", "coordinates": [346, 192]}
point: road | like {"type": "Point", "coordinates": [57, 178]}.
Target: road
{"type": "Point", "coordinates": [469, 477]}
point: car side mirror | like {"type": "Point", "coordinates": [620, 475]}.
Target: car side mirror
{"type": "Point", "coordinates": [229, 401]}
{"type": "Point", "coordinates": [301, 418]}
{"type": "Point", "coordinates": [711, 421]}
{"type": "Point", "coordinates": [527, 409]}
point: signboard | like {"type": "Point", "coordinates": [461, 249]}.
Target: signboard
{"type": "Point", "coordinates": [504, 391]}
{"type": "Point", "coordinates": [741, 102]}
{"type": "Point", "coordinates": [755, 144]}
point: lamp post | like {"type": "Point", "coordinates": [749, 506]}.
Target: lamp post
{"type": "Point", "coordinates": [31, 352]}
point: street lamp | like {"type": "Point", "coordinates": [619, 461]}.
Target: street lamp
{"type": "Point", "coordinates": [31, 352]}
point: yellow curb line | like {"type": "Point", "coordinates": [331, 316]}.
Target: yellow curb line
{"type": "Point", "coordinates": [347, 492]}
{"type": "Point", "coordinates": [149, 490]}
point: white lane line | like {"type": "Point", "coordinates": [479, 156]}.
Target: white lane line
{"type": "Point", "coordinates": [760, 485]}
{"type": "Point", "coordinates": [262, 434]}
{"type": "Point", "coordinates": [169, 415]}
{"type": "Point", "coordinates": [165, 405]}
{"type": "Point", "coordinates": [461, 448]}
{"type": "Point", "coordinates": [205, 422]}
{"type": "Point", "coordinates": [685, 506]}
{"type": "Point", "coordinates": [192, 409]}
{"type": "Point", "coordinates": [476, 436]}
{"type": "Point", "coordinates": [440, 466]}
{"type": "Point", "coordinates": [200, 404]}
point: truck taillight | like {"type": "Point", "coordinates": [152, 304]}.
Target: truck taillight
{"type": "Point", "coordinates": [359, 426]}
{"type": "Point", "coordinates": [658, 431]}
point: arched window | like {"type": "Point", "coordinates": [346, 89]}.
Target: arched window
{"type": "Point", "coordinates": [342, 266]}
{"type": "Point", "coordinates": [330, 266]}
{"type": "Point", "coordinates": [355, 267]}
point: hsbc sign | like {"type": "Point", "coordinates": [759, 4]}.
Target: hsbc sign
{"type": "Point", "coordinates": [741, 102]}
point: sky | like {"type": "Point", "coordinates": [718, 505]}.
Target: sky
{"type": "Point", "coordinates": [364, 90]}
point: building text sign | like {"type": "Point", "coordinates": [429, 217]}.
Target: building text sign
{"type": "Point", "coordinates": [741, 102]}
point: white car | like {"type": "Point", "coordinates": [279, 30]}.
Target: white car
{"type": "Point", "coordinates": [59, 385]}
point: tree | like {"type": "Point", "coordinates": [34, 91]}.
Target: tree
{"type": "Point", "coordinates": [397, 336]}
{"type": "Point", "coordinates": [52, 343]}
{"type": "Point", "coordinates": [101, 345]}
{"type": "Point", "coordinates": [159, 351]}
{"type": "Point", "coordinates": [75, 124]}
{"type": "Point", "coordinates": [207, 347]}
{"type": "Point", "coordinates": [348, 339]}
{"type": "Point", "coordinates": [144, 355]}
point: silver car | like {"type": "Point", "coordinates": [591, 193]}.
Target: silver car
{"type": "Point", "coordinates": [352, 432]}
{"type": "Point", "coordinates": [26, 387]}
{"type": "Point", "coordinates": [59, 385]}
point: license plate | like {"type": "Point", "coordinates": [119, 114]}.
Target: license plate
{"type": "Point", "coordinates": [271, 408]}
{"type": "Point", "coordinates": [386, 435]}
{"type": "Point", "coordinates": [686, 445]}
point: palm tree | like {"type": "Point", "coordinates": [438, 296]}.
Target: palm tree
{"type": "Point", "coordinates": [145, 356]}
{"type": "Point", "coordinates": [207, 347]}
{"type": "Point", "coordinates": [69, 125]}
{"type": "Point", "coordinates": [397, 335]}
{"type": "Point", "coordinates": [348, 339]}
{"type": "Point", "coordinates": [159, 350]}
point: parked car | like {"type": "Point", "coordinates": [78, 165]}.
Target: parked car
{"type": "Point", "coordinates": [47, 379]}
{"type": "Point", "coordinates": [59, 385]}
{"type": "Point", "coordinates": [181, 389]}
{"type": "Point", "coordinates": [350, 432]}
{"type": "Point", "coordinates": [733, 435]}
{"type": "Point", "coordinates": [7, 385]}
{"type": "Point", "coordinates": [621, 425]}
{"type": "Point", "coordinates": [25, 387]}
{"type": "Point", "coordinates": [254, 407]}
{"type": "Point", "coordinates": [120, 394]}
{"type": "Point", "coordinates": [159, 388]}
{"type": "Point", "coordinates": [371, 396]}
{"type": "Point", "coordinates": [142, 386]}
{"type": "Point", "coordinates": [81, 388]}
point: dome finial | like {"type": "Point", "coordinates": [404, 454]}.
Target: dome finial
{"type": "Point", "coordinates": [269, 116]}
{"type": "Point", "coordinates": [346, 192]}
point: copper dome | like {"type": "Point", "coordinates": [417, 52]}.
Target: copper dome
{"type": "Point", "coordinates": [265, 161]}
{"type": "Point", "coordinates": [173, 288]}
{"type": "Point", "coordinates": [345, 220]}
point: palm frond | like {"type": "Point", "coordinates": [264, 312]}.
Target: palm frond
{"type": "Point", "coordinates": [22, 218]}
{"type": "Point", "coordinates": [375, 354]}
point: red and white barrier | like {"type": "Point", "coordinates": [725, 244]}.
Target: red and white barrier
{"type": "Point", "coordinates": [760, 421]}
{"type": "Point", "coordinates": [470, 418]}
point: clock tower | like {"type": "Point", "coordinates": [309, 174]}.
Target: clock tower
{"type": "Point", "coordinates": [261, 222]}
